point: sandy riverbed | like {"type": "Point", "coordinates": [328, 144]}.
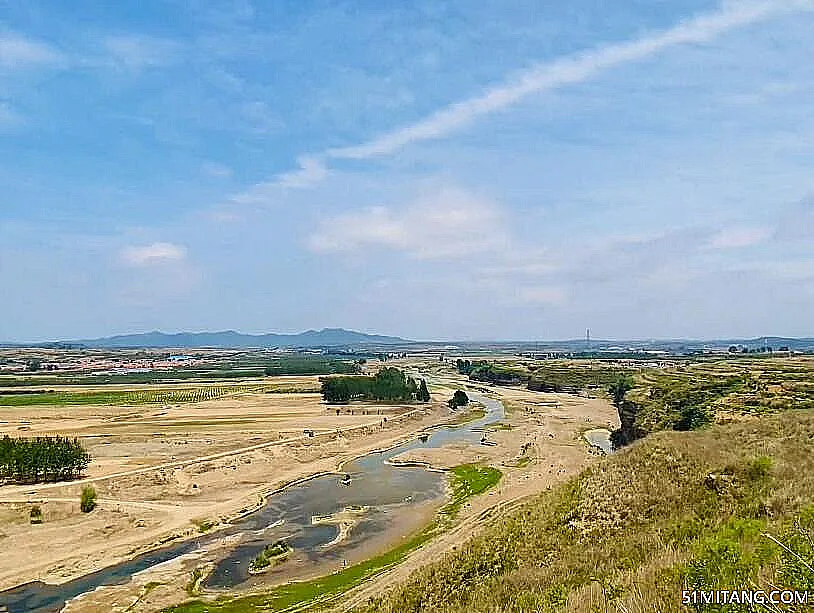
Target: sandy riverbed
{"type": "Point", "coordinates": [544, 428]}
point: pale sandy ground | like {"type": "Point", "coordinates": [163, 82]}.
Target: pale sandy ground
{"type": "Point", "coordinates": [158, 470]}
{"type": "Point", "coordinates": [139, 510]}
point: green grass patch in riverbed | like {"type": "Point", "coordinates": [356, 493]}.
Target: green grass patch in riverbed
{"type": "Point", "coordinates": [466, 417]}
{"type": "Point", "coordinates": [522, 462]}
{"type": "Point", "coordinates": [499, 425]}
{"type": "Point", "coordinates": [465, 481]}
{"type": "Point", "coordinates": [469, 480]}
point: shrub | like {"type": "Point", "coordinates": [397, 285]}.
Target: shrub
{"type": "Point", "coordinates": [270, 555]}
{"type": "Point", "coordinates": [759, 468]}
{"type": "Point", "coordinates": [459, 399]}
{"type": "Point", "coordinates": [35, 515]}
{"type": "Point", "coordinates": [87, 501]}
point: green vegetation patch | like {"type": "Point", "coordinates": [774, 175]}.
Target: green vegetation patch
{"type": "Point", "coordinates": [203, 525]}
{"type": "Point", "coordinates": [499, 425]}
{"type": "Point", "coordinates": [469, 480]}
{"type": "Point", "coordinates": [311, 366]}
{"type": "Point", "coordinates": [41, 459]}
{"type": "Point", "coordinates": [467, 416]}
{"type": "Point", "coordinates": [388, 385]}
{"type": "Point", "coordinates": [243, 365]}
{"type": "Point", "coordinates": [693, 395]}
{"type": "Point", "coordinates": [270, 555]}
{"type": "Point", "coordinates": [35, 515]}
{"type": "Point", "coordinates": [125, 397]}
{"type": "Point", "coordinates": [547, 376]}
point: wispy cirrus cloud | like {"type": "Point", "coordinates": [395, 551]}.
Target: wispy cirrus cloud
{"type": "Point", "coordinates": [152, 254]}
{"type": "Point", "coordinates": [17, 52]}
{"type": "Point", "coordinates": [739, 237]}
{"type": "Point", "coordinates": [550, 76]}
{"type": "Point", "coordinates": [566, 71]}
{"type": "Point", "coordinates": [312, 170]}
{"type": "Point", "coordinates": [137, 52]}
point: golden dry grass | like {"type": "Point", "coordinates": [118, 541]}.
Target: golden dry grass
{"type": "Point", "coordinates": [632, 530]}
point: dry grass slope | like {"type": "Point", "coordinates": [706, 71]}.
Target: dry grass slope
{"type": "Point", "coordinates": [675, 510]}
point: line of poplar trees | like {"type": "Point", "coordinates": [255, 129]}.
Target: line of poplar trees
{"type": "Point", "coordinates": [389, 384]}
{"type": "Point", "coordinates": [44, 458]}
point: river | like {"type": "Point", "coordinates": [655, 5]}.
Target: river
{"type": "Point", "coordinates": [388, 491]}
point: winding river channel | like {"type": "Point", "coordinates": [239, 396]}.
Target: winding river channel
{"type": "Point", "coordinates": [387, 493]}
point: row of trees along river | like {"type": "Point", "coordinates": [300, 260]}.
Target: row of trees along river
{"type": "Point", "coordinates": [44, 458]}
{"type": "Point", "coordinates": [389, 384]}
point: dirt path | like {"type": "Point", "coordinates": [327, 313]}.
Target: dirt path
{"type": "Point", "coordinates": [34, 489]}
{"type": "Point", "coordinates": [100, 502]}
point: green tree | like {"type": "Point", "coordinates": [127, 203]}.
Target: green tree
{"type": "Point", "coordinates": [619, 388]}
{"type": "Point", "coordinates": [87, 501]}
{"type": "Point", "coordinates": [459, 399]}
{"type": "Point", "coordinates": [423, 392]}
{"type": "Point", "coordinates": [44, 458]}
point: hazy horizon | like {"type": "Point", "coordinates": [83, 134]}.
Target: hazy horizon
{"type": "Point", "coordinates": [443, 170]}
{"type": "Point", "coordinates": [575, 339]}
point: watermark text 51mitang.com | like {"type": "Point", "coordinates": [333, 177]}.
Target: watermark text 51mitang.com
{"type": "Point", "coordinates": [696, 597]}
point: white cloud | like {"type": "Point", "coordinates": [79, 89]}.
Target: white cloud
{"type": "Point", "coordinates": [738, 237]}
{"type": "Point", "coordinates": [312, 170]}
{"type": "Point", "coordinates": [551, 76]}
{"type": "Point", "coordinates": [137, 52]}
{"type": "Point", "coordinates": [155, 253]}
{"type": "Point", "coordinates": [447, 224]}
{"type": "Point", "coordinates": [19, 52]}
{"type": "Point", "coordinates": [566, 71]}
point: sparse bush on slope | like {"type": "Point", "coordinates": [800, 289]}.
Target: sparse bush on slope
{"type": "Point", "coordinates": [675, 511]}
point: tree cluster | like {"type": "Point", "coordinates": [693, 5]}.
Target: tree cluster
{"type": "Point", "coordinates": [619, 388]}
{"type": "Point", "coordinates": [311, 366]}
{"type": "Point", "coordinates": [49, 458]}
{"type": "Point", "coordinates": [498, 374]}
{"type": "Point", "coordinates": [465, 367]}
{"type": "Point", "coordinates": [389, 384]}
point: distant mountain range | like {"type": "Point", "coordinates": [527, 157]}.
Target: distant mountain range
{"type": "Point", "coordinates": [339, 337]}
{"type": "Point", "coordinates": [327, 337]}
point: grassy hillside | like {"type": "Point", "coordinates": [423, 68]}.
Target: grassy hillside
{"type": "Point", "coordinates": [676, 510]}
{"type": "Point", "coordinates": [696, 394]}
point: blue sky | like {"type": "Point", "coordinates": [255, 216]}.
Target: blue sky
{"type": "Point", "coordinates": [445, 169]}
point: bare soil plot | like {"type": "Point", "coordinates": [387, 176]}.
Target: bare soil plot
{"type": "Point", "coordinates": [163, 472]}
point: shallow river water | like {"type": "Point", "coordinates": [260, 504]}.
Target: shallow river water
{"type": "Point", "coordinates": [389, 492]}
